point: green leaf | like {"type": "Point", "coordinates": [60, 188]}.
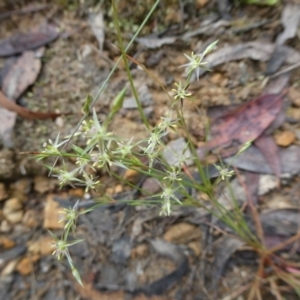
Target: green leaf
{"type": "Point", "coordinates": [116, 106]}
{"type": "Point", "coordinates": [210, 48]}
{"type": "Point", "coordinates": [78, 150]}
{"type": "Point", "coordinates": [76, 275]}
{"type": "Point", "coordinates": [118, 101]}
{"type": "Point", "coordinates": [87, 104]}
{"type": "Point", "coordinates": [53, 236]}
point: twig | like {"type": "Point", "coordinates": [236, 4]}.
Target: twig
{"type": "Point", "coordinates": [283, 244]}
{"type": "Point", "coordinates": [274, 289]}
{"type": "Point", "coordinates": [287, 69]}
{"type": "Point", "coordinates": [238, 292]}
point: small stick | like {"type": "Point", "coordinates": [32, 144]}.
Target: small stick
{"type": "Point", "coordinates": [287, 69]}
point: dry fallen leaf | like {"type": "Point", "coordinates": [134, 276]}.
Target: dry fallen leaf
{"type": "Point", "coordinates": [22, 73]}
{"type": "Point", "coordinates": [258, 50]}
{"type": "Point", "coordinates": [244, 124]}
{"type": "Point", "coordinates": [96, 22]}
{"type": "Point", "coordinates": [253, 160]}
{"type": "Point", "coordinates": [153, 42]}
{"type": "Point", "coordinates": [270, 151]}
{"type": "Point", "coordinates": [290, 19]}
{"type": "Point", "coordinates": [21, 42]}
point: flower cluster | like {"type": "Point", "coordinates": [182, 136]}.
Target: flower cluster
{"type": "Point", "coordinates": [103, 150]}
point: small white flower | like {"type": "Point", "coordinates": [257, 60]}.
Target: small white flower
{"type": "Point", "coordinates": [180, 92]}
{"type": "Point", "coordinates": [173, 174]}
{"type": "Point", "coordinates": [224, 172]}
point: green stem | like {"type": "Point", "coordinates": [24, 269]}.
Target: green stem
{"type": "Point", "coordinates": [123, 51]}
{"type": "Point", "coordinates": [109, 76]}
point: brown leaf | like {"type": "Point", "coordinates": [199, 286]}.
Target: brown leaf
{"type": "Point", "coordinates": [25, 41]}
{"type": "Point", "coordinates": [274, 86]}
{"type": "Point", "coordinates": [269, 149]}
{"type": "Point", "coordinates": [252, 181]}
{"type": "Point", "coordinates": [246, 123]}
{"type": "Point", "coordinates": [218, 111]}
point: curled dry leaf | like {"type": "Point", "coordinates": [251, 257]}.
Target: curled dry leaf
{"type": "Point", "coordinates": [96, 22]}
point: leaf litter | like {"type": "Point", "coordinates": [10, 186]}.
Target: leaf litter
{"type": "Point", "coordinates": [290, 18]}
{"type": "Point", "coordinates": [151, 230]}
{"type": "Point", "coordinates": [257, 50]}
